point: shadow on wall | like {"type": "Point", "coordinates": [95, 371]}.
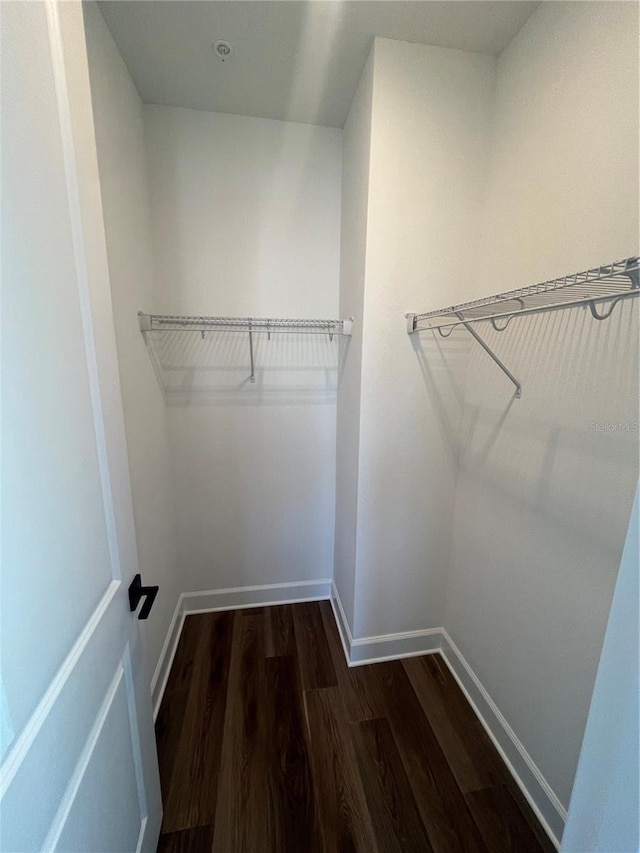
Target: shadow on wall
{"type": "Point", "coordinates": [215, 367]}
{"type": "Point", "coordinates": [572, 438]}
{"type": "Point", "coordinates": [569, 447]}
{"type": "Point", "coordinates": [444, 366]}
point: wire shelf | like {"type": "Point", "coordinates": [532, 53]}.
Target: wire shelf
{"type": "Point", "coordinates": [246, 325]}
{"type": "Point", "coordinates": [610, 283]}
{"type": "Point", "coordinates": [168, 322]}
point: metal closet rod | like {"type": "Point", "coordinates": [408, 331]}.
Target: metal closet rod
{"type": "Point", "coordinates": [248, 325]}
{"type": "Point", "coordinates": [610, 284]}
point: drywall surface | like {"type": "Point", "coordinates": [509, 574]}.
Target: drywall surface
{"type": "Point", "coordinates": [563, 190]}
{"type": "Point", "coordinates": [353, 247]}
{"type": "Point", "coordinates": [546, 483]}
{"type": "Point", "coordinates": [246, 222]}
{"type": "Point", "coordinates": [120, 142]}
{"type": "Point", "coordinates": [603, 814]}
{"type": "Point", "coordinates": [430, 134]}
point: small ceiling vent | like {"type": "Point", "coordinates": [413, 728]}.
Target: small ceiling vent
{"type": "Point", "coordinates": [222, 49]}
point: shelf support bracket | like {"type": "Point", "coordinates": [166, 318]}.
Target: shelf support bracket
{"type": "Point", "coordinates": [491, 354]}
{"type": "Point", "coordinates": [145, 322]}
{"type": "Point", "coordinates": [252, 378]}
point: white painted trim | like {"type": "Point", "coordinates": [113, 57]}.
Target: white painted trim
{"type": "Point", "coordinates": [395, 656]}
{"type": "Point", "coordinates": [82, 276]}
{"type": "Point", "coordinates": [136, 740]}
{"type": "Point", "coordinates": [401, 635]}
{"type": "Point", "coordinates": [21, 747]}
{"type": "Point", "coordinates": [537, 791]}
{"type": "Point", "coordinates": [162, 657]}
{"type": "Point", "coordinates": [341, 621]}
{"type": "Point", "coordinates": [216, 600]}
{"type": "Point", "coordinates": [258, 588]}
{"type": "Point", "coordinates": [250, 604]}
{"type": "Point", "coordinates": [395, 646]}
{"type": "Point", "coordinates": [73, 786]}
{"type": "Point", "coordinates": [239, 598]}
{"type": "Point", "coordinates": [142, 833]}
{"type": "Point", "coordinates": [167, 639]}
{"type": "Point", "coordinates": [365, 650]}
{"type": "Point", "coordinates": [175, 630]}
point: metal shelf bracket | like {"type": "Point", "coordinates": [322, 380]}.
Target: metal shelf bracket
{"type": "Point", "coordinates": [252, 378]}
{"type": "Point", "coordinates": [491, 354]}
{"type": "Point", "coordinates": [412, 328]}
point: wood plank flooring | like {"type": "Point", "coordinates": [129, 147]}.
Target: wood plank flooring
{"type": "Point", "coordinates": [267, 741]}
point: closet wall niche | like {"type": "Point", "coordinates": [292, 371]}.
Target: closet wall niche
{"type": "Point", "coordinates": [402, 476]}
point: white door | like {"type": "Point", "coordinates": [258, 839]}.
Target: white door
{"type": "Point", "coordinates": [78, 764]}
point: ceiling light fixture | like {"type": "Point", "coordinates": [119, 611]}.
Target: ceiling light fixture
{"type": "Point", "coordinates": [222, 49]}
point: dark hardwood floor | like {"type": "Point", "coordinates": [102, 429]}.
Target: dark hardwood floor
{"type": "Point", "coordinates": [268, 742]}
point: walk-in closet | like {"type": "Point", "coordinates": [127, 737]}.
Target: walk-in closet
{"type": "Point", "coordinates": [320, 426]}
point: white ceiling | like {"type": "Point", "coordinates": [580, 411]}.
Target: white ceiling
{"type": "Point", "coordinates": [292, 59]}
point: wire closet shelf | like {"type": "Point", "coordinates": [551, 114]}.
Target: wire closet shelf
{"type": "Point", "coordinates": [600, 289]}
{"type": "Point", "coordinates": [246, 325]}
{"type": "Point", "coordinates": [168, 322]}
{"type": "Point", "coordinates": [610, 283]}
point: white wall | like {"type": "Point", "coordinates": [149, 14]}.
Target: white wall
{"type": "Point", "coordinates": [430, 135]}
{"type": "Point", "coordinates": [353, 248]}
{"type": "Point", "coordinates": [119, 136]}
{"type": "Point", "coordinates": [563, 190]}
{"type": "Point", "coordinates": [543, 496]}
{"type": "Point", "coordinates": [246, 222]}
{"type": "Point", "coordinates": [603, 814]}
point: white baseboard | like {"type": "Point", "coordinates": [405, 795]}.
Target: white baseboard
{"type": "Point", "coordinates": [167, 654]}
{"type": "Point", "coordinates": [234, 598]}
{"type": "Point", "coordinates": [539, 794]}
{"type": "Point", "coordinates": [408, 644]}
{"type": "Point", "coordinates": [365, 650]}
{"type": "Point", "coordinates": [237, 598]}
{"type": "Point", "coordinates": [342, 623]}
{"type": "Point", "coordinates": [534, 786]}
